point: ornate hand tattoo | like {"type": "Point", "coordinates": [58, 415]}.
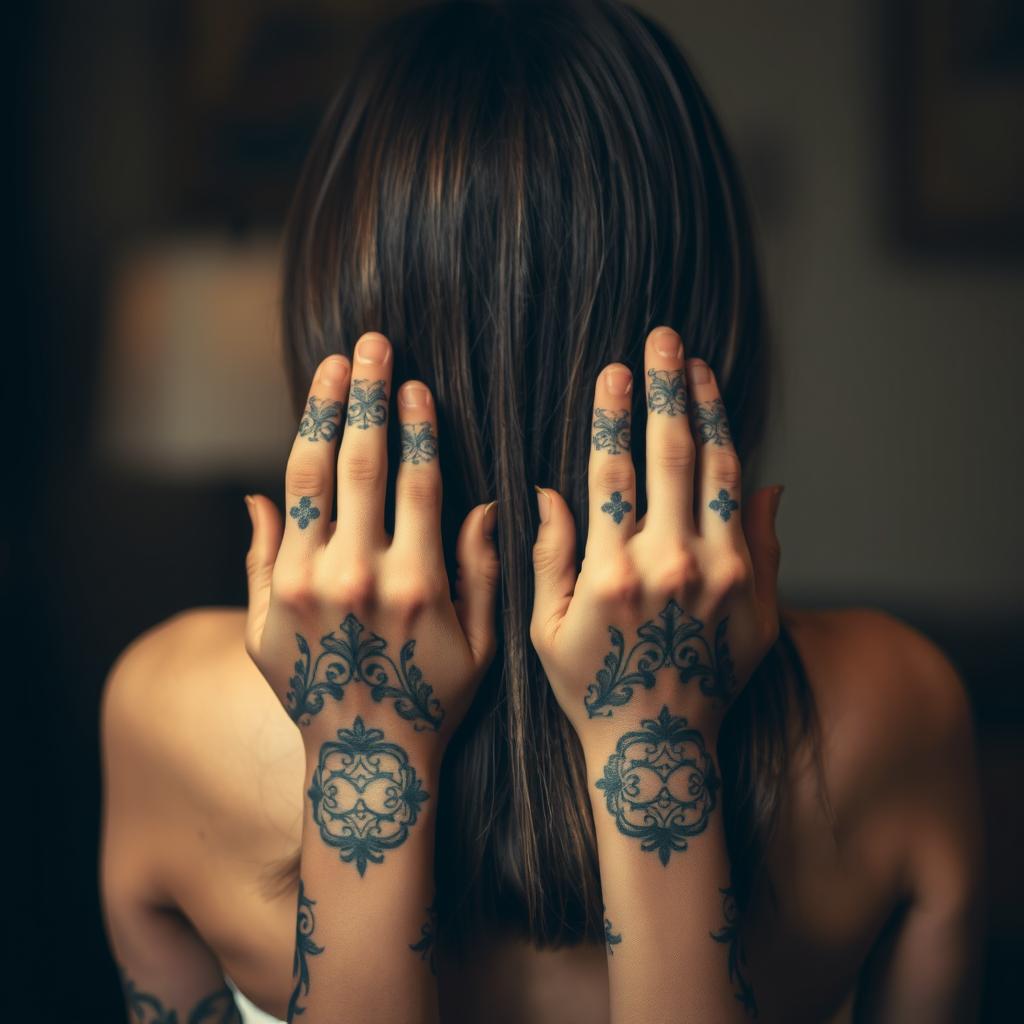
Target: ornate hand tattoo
{"type": "Point", "coordinates": [144, 1008]}
{"type": "Point", "coordinates": [419, 443]}
{"type": "Point", "coordinates": [616, 507]}
{"type": "Point", "coordinates": [660, 785]}
{"type": "Point", "coordinates": [320, 422]}
{"type": "Point", "coordinates": [352, 657]}
{"type": "Point", "coordinates": [712, 423]}
{"type": "Point", "coordinates": [365, 795]}
{"type": "Point", "coordinates": [723, 505]}
{"type": "Point", "coordinates": [367, 404]}
{"type": "Point", "coordinates": [610, 938]}
{"type": "Point", "coordinates": [304, 513]}
{"type": "Point", "coordinates": [611, 431]}
{"type": "Point", "coordinates": [678, 641]}
{"type": "Point", "coordinates": [425, 944]}
{"type": "Point", "coordinates": [666, 392]}
{"type": "Point", "coordinates": [729, 935]}
{"type": "Point", "coordinates": [305, 924]}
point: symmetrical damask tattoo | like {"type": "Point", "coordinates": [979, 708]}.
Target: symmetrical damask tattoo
{"type": "Point", "coordinates": [419, 443]}
{"type": "Point", "coordinates": [426, 944]}
{"type": "Point", "coordinates": [610, 937]}
{"type": "Point", "coordinates": [678, 641]}
{"type": "Point", "coordinates": [723, 505]}
{"type": "Point", "coordinates": [352, 657]}
{"type": "Point", "coordinates": [616, 507]}
{"type": "Point", "coordinates": [321, 420]}
{"type": "Point", "coordinates": [666, 392]}
{"type": "Point", "coordinates": [367, 403]}
{"type": "Point", "coordinates": [660, 785]}
{"type": "Point", "coordinates": [729, 935]}
{"type": "Point", "coordinates": [610, 432]}
{"type": "Point", "coordinates": [144, 1008]}
{"type": "Point", "coordinates": [365, 795]}
{"type": "Point", "coordinates": [712, 423]}
{"type": "Point", "coordinates": [305, 947]}
{"type": "Point", "coordinates": [305, 512]}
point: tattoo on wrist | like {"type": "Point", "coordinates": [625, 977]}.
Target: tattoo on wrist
{"type": "Point", "coordinates": [677, 641]}
{"type": "Point", "coordinates": [660, 785]}
{"type": "Point", "coordinates": [305, 947]}
{"type": "Point", "coordinates": [729, 935]}
{"type": "Point", "coordinates": [352, 657]}
{"type": "Point", "coordinates": [367, 403]}
{"type": "Point", "coordinates": [666, 392]}
{"type": "Point", "coordinates": [616, 507]}
{"type": "Point", "coordinates": [365, 795]}
{"type": "Point", "coordinates": [723, 505]}
{"type": "Point", "coordinates": [145, 1008]}
{"type": "Point", "coordinates": [321, 420]}
{"type": "Point", "coordinates": [304, 513]}
{"type": "Point", "coordinates": [610, 432]}
{"type": "Point", "coordinates": [711, 422]}
{"type": "Point", "coordinates": [426, 944]}
{"type": "Point", "coordinates": [419, 443]}
{"type": "Point", "coordinates": [610, 937]}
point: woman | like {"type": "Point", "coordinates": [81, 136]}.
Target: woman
{"type": "Point", "coordinates": [629, 789]}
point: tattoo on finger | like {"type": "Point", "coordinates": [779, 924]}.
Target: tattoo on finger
{"type": "Point", "coordinates": [723, 505]}
{"type": "Point", "coordinates": [666, 392]}
{"type": "Point", "coordinates": [616, 507]}
{"type": "Point", "coordinates": [304, 513]}
{"type": "Point", "coordinates": [419, 443]}
{"type": "Point", "coordinates": [321, 420]}
{"type": "Point", "coordinates": [611, 431]}
{"type": "Point", "coordinates": [367, 403]}
{"type": "Point", "coordinates": [712, 423]}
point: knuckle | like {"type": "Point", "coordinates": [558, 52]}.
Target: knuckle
{"type": "Point", "coordinates": [421, 487]}
{"type": "Point", "coordinates": [413, 595]}
{"type": "Point", "coordinates": [293, 591]}
{"type": "Point", "coordinates": [353, 589]}
{"type": "Point", "coordinates": [546, 559]}
{"type": "Point", "coordinates": [729, 575]}
{"type": "Point", "coordinates": [616, 474]}
{"type": "Point", "coordinates": [675, 452]}
{"type": "Point", "coordinates": [306, 477]}
{"type": "Point", "coordinates": [677, 571]}
{"type": "Point", "coordinates": [725, 470]}
{"type": "Point", "coordinates": [619, 584]}
{"type": "Point", "coordinates": [362, 467]}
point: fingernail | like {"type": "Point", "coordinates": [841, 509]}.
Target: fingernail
{"type": "Point", "coordinates": [618, 381]}
{"type": "Point", "coordinates": [490, 518]}
{"type": "Point", "coordinates": [413, 395]}
{"type": "Point", "coordinates": [543, 503]}
{"type": "Point", "coordinates": [667, 343]}
{"type": "Point", "coordinates": [371, 348]}
{"type": "Point", "coordinates": [699, 373]}
{"type": "Point", "coordinates": [332, 372]}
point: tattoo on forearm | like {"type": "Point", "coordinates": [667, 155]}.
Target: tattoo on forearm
{"type": "Point", "coordinates": [610, 937]}
{"type": "Point", "coordinates": [304, 513]}
{"type": "Point", "coordinates": [678, 641]}
{"type": "Point", "coordinates": [729, 935]}
{"type": "Point", "coordinates": [611, 431]}
{"type": "Point", "coordinates": [365, 795]}
{"type": "Point", "coordinates": [723, 505]}
{"type": "Point", "coordinates": [305, 947]}
{"type": "Point", "coordinates": [352, 657]}
{"type": "Point", "coordinates": [660, 785]}
{"type": "Point", "coordinates": [367, 403]}
{"type": "Point", "coordinates": [712, 423]}
{"type": "Point", "coordinates": [426, 944]}
{"type": "Point", "coordinates": [666, 392]}
{"type": "Point", "coordinates": [321, 420]}
{"type": "Point", "coordinates": [144, 1007]}
{"type": "Point", "coordinates": [419, 443]}
{"type": "Point", "coordinates": [616, 507]}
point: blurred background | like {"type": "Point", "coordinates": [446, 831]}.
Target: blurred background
{"type": "Point", "coordinates": [156, 146]}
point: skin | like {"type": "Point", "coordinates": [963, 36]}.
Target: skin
{"type": "Point", "coordinates": [208, 780]}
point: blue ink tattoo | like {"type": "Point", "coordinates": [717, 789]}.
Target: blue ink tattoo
{"type": "Point", "coordinates": [616, 507]}
{"type": "Point", "coordinates": [729, 935]}
{"type": "Point", "coordinates": [724, 505]}
{"type": "Point", "coordinates": [305, 947]}
{"type": "Point", "coordinates": [144, 1008]}
{"type": "Point", "coordinates": [610, 938]}
{"type": "Point", "coordinates": [660, 785]}
{"type": "Point", "coordinates": [712, 424]}
{"type": "Point", "coordinates": [365, 795]}
{"type": "Point", "coordinates": [367, 404]}
{"type": "Point", "coordinates": [426, 944]}
{"type": "Point", "coordinates": [611, 431]}
{"type": "Point", "coordinates": [419, 443]}
{"type": "Point", "coordinates": [666, 392]}
{"type": "Point", "coordinates": [320, 422]}
{"type": "Point", "coordinates": [304, 512]}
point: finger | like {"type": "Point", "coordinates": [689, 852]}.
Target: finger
{"type": "Point", "coordinates": [418, 485]}
{"type": "Point", "coordinates": [718, 467]}
{"type": "Point", "coordinates": [554, 565]}
{"type": "Point", "coordinates": [611, 478]}
{"type": "Point", "coordinates": [309, 478]}
{"type": "Point", "coordinates": [363, 462]}
{"type": "Point", "coordinates": [259, 565]}
{"type": "Point", "coordinates": [759, 515]}
{"type": "Point", "coordinates": [671, 451]}
{"type": "Point", "coordinates": [476, 582]}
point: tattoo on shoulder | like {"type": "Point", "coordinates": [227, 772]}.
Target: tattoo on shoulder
{"type": "Point", "coordinates": [305, 947]}
{"type": "Point", "coordinates": [367, 403]}
{"type": "Point", "coordinates": [353, 657]}
{"type": "Point", "coordinates": [666, 392]}
{"type": "Point", "coordinates": [660, 785]}
{"type": "Point", "coordinates": [610, 431]}
{"type": "Point", "coordinates": [676, 640]}
{"type": "Point", "coordinates": [729, 935]}
{"type": "Point", "coordinates": [145, 1008]}
{"type": "Point", "coordinates": [321, 420]}
{"type": "Point", "coordinates": [610, 937]}
{"type": "Point", "coordinates": [365, 795]}
{"type": "Point", "coordinates": [426, 944]}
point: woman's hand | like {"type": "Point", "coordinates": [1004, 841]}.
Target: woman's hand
{"type": "Point", "coordinates": [676, 610]}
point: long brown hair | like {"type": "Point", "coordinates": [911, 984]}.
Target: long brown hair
{"type": "Point", "coordinates": [515, 193]}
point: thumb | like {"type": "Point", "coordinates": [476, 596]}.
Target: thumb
{"type": "Point", "coordinates": [554, 564]}
{"type": "Point", "coordinates": [478, 573]}
{"type": "Point", "coordinates": [763, 542]}
{"type": "Point", "coordinates": [259, 564]}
